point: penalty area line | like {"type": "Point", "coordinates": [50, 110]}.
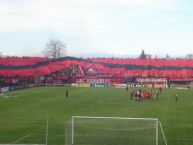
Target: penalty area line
{"type": "Point", "coordinates": [22, 138]}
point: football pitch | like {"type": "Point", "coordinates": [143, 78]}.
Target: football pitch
{"type": "Point", "coordinates": [38, 115]}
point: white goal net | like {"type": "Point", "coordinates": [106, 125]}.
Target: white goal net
{"type": "Point", "coordinates": [82, 130]}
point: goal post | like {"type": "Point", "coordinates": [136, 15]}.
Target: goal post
{"type": "Point", "coordinates": [85, 130]}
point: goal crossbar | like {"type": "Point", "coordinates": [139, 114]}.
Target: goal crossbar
{"type": "Point", "coordinates": [92, 117]}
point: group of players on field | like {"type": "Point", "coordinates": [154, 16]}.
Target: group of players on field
{"type": "Point", "coordinates": [140, 95]}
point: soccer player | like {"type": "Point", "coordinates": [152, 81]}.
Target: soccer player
{"type": "Point", "coordinates": [66, 94]}
{"type": "Point", "coordinates": [127, 88]}
{"type": "Point", "coordinates": [156, 94]}
{"type": "Point", "coordinates": [160, 90]}
{"type": "Point", "coordinates": [176, 97]}
{"type": "Point", "coordinates": [132, 94]}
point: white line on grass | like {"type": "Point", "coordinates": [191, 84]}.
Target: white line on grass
{"type": "Point", "coordinates": [23, 121]}
{"type": "Point", "coordinates": [21, 144]}
{"type": "Point", "coordinates": [163, 133]}
{"type": "Point", "coordinates": [185, 125]}
{"type": "Point", "coordinates": [47, 131]}
{"type": "Point", "coordinates": [187, 139]}
{"type": "Point", "coordinates": [168, 138]}
{"type": "Point", "coordinates": [7, 97]}
{"type": "Point", "coordinates": [22, 138]}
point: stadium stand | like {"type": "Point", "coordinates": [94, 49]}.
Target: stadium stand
{"type": "Point", "coordinates": [21, 61]}
{"type": "Point", "coordinates": [69, 69]}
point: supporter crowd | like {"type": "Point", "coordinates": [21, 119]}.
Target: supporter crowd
{"type": "Point", "coordinates": [117, 69]}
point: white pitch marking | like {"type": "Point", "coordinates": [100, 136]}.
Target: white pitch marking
{"type": "Point", "coordinates": [22, 138]}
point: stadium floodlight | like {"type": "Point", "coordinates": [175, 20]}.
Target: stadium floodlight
{"type": "Point", "coordinates": [84, 130]}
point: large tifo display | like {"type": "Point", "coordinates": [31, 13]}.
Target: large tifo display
{"type": "Point", "coordinates": [83, 130]}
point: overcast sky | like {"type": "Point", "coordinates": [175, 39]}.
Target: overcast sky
{"type": "Point", "coordinates": [95, 27]}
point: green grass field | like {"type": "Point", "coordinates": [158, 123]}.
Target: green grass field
{"type": "Point", "coordinates": [23, 113]}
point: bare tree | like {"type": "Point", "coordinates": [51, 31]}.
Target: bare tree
{"type": "Point", "coordinates": [142, 55]}
{"type": "Point", "coordinates": [168, 56]}
{"type": "Point", "coordinates": [148, 56]}
{"type": "Point", "coordinates": [55, 48]}
{"type": "Point", "coordinates": [189, 56]}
